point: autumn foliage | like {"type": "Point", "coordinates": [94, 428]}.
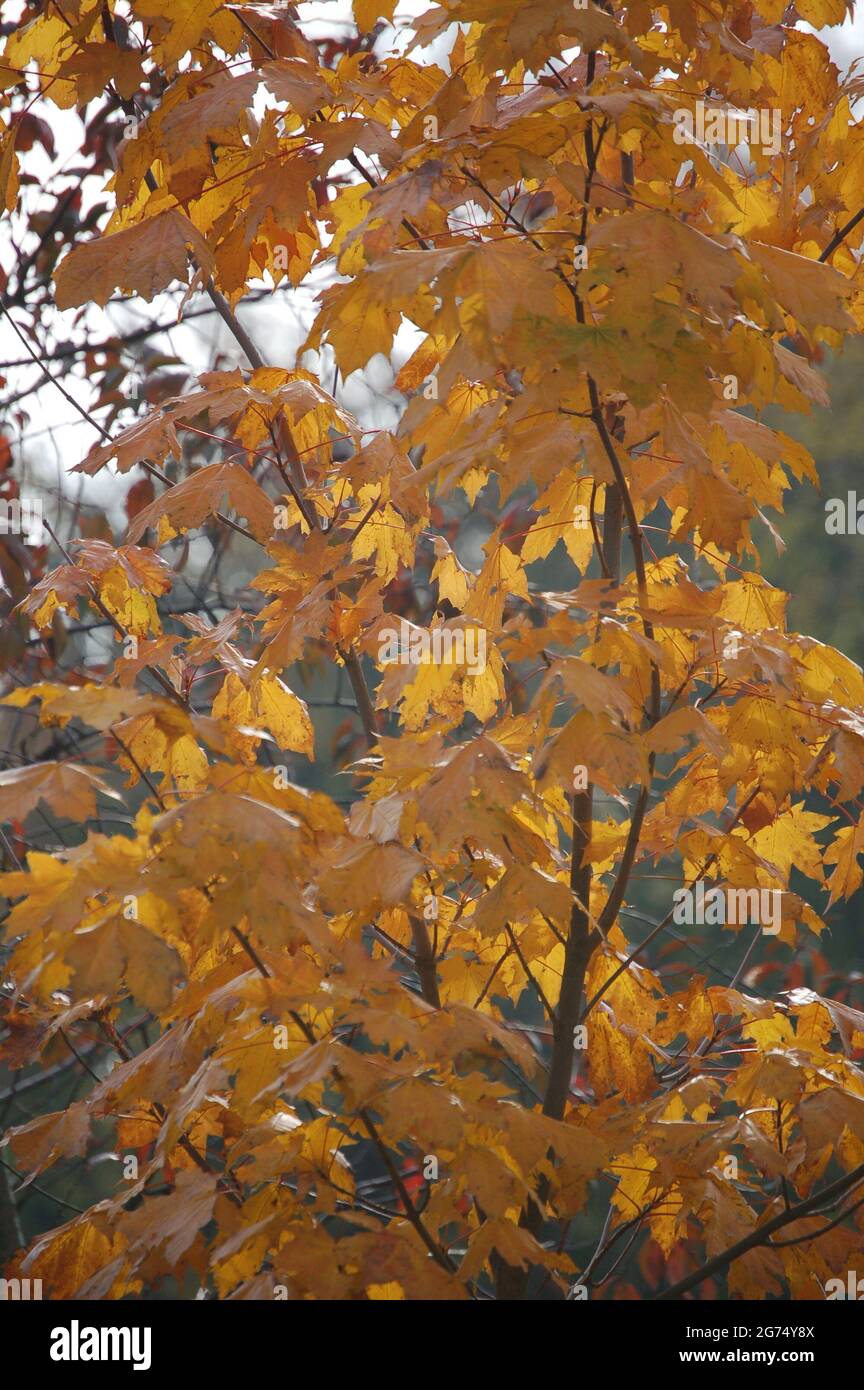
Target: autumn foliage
{"type": "Point", "coordinates": [378, 1012]}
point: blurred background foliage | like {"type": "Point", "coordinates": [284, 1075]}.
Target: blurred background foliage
{"type": "Point", "coordinates": [823, 573]}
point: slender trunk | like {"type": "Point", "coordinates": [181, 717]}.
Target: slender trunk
{"type": "Point", "coordinates": [512, 1282]}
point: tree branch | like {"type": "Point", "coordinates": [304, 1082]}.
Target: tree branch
{"type": "Point", "coordinates": [761, 1234]}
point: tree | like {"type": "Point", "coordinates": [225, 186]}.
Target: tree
{"type": "Point", "coordinates": [411, 1041]}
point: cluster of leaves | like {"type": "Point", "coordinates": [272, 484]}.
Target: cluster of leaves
{"type": "Point", "coordinates": [582, 289]}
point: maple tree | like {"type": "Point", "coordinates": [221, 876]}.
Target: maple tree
{"type": "Point", "coordinates": [407, 1041]}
